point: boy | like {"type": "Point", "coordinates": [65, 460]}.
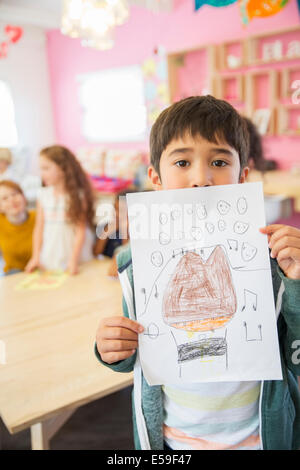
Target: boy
{"type": "Point", "coordinates": [202, 141]}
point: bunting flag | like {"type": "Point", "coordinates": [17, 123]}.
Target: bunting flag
{"type": "Point", "coordinates": [260, 8]}
{"type": "Point", "coordinates": [213, 3]}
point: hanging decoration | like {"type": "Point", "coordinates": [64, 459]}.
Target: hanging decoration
{"type": "Point", "coordinates": [259, 8]}
{"type": "Point", "coordinates": [155, 72]}
{"type": "Point", "coordinates": [13, 34]}
{"type": "Point", "coordinates": [213, 3]}
{"type": "Point", "coordinates": [93, 21]}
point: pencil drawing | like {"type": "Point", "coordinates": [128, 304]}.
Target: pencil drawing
{"type": "Point", "coordinates": [240, 227]}
{"type": "Point", "coordinates": [248, 251]}
{"type": "Point", "coordinates": [223, 207]}
{"type": "Point", "coordinates": [242, 205]}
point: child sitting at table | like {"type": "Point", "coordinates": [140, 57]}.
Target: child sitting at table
{"type": "Point", "coordinates": [16, 227]}
{"type": "Point", "coordinates": [114, 235]}
{"type": "Point", "coordinates": [63, 235]}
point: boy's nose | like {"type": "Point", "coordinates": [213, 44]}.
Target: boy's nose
{"type": "Point", "coordinates": [201, 178]}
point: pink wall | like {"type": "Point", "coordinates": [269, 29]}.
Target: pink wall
{"type": "Point", "coordinates": [135, 41]}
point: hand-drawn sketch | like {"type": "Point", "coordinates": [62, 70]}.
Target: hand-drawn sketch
{"type": "Point", "coordinates": [233, 244]}
{"type": "Point", "coordinates": [175, 214]}
{"type": "Point", "coordinates": [242, 205]}
{"type": "Point", "coordinates": [157, 259]}
{"type": "Point", "coordinates": [196, 233]}
{"type": "Point", "coordinates": [210, 227]}
{"type": "Point", "coordinates": [152, 331]}
{"type": "Point", "coordinates": [200, 296]}
{"type": "Point", "coordinates": [201, 211]}
{"type": "Point", "coordinates": [143, 291]}
{"type": "Point", "coordinates": [248, 251]}
{"type": "Point", "coordinates": [221, 225]}
{"type": "Point", "coordinates": [240, 227]}
{"type": "Point", "coordinates": [164, 238]}
{"type": "Point", "coordinates": [223, 207]}
{"type": "Point", "coordinates": [205, 297]}
{"type": "Point", "coordinates": [250, 299]}
{"type": "Point", "coordinates": [163, 218]}
{"type": "Point", "coordinates": [259, 333]}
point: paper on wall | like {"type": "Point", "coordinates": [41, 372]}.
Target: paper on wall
{"type": "Point", "coordinates": [203, 286]}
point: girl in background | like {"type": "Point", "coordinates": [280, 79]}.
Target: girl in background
{"type": "Point", "coordinates": [63, 235]}
{"type": "Point", "coordinates": [16, 227]}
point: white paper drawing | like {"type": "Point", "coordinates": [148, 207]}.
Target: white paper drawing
{"type": "Point", "coordinates": [205, 298]}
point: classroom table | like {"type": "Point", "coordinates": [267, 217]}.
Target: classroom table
{"type": "Point", "coordinates": [50, 368]}
{"type": "Point", "coordinates": [279, 182]}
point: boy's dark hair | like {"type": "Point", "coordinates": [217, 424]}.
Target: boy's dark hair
{"type": "Point", "coordinates": [256, 153]}
{"type": "Point", "coordinates": [210, 117]}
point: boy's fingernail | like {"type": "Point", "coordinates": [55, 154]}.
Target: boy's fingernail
{"type": "Point", "coordinates": [141, 329]}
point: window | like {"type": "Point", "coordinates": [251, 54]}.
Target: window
{"type": "Point", "coordinates": [8, 130]}
{"type": "Point", "coordinates": [113, 105]}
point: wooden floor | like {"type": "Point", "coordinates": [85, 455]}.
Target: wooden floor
{"type": "Point", "coordinates": [105, 424]}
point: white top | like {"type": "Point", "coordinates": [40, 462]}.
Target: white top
{"type": "Point", "coordinates": [212, 416]}
{"type": "Point", "coordinates": [58, 234]}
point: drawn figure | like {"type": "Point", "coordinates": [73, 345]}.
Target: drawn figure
{"type": "Point", "coordinates": [242, 205]}
{"type": "Point", "coordinates": [200, 296]}
{"type": "Point", "coordinates": [157, 259]}
{"type": "Point", "coordinates": [201, 211]}
{"type": "Point", "coordinates": [175, 214]}
{"type": "Point", "coordinates": [233, 244]}
{"type": "Point", "coordinates": [210, 227]}
{"type": "Point", "coordinates": [222, 225]}
{"type": "Point", "coordinates": [196, 233]}
{"type": "Point", "coordinates": [164, 238]}
{"type": "Point", "coordinates": [248, 251]}
{"type": "Point", "coordinates": [223, 207]}
{"type": "Point", "coordinates": [143, 291]}
{"type": "Point", "coordinates": [163, 218]}
{"type": "Point", "coordinates": [259, 328]}
{"type": "Point", "coordinates": [200, 348]}
{"type": "Point", "coordinates": [152, 331]}
{"type": "Point", "coordinates": [250, 298]}
{"type": "Point", "coordinates": [240, 227]}
{"type": "Point", "coordinates": [156, 292]}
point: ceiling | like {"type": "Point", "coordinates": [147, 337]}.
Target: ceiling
{"type": "Point", "coordinates": [43, 13]}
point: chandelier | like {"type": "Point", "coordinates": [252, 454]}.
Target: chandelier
{"type": "Point", "coordinates": [93, 21]}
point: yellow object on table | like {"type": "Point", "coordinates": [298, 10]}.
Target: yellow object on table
{"type": "Point", "coordinates": [50, 368]}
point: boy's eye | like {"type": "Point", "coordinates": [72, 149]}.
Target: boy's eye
{"type": "Point", "coordinates": [182, 163]}
{"type": "Point", "coordinates": [219, 163]}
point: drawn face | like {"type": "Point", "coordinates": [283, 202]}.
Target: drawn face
{"type": "Point", "coordinates": [248, 251]}
{"type": "Point", "coordinates": [157, 258]}
{"type": "Point", "coordinates": [195, 162]}
{"type": "Point", "coordinates": [240, 227]}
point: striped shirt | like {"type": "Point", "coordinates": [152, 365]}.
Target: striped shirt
{"type": "Point", "coordinates": [212, 416]}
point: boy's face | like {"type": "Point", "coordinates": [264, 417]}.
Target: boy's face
{"type": "Point", "coordinates": [195, 162]}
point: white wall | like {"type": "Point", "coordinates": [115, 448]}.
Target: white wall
{"type": "Point", "coordinates": [26, 71]}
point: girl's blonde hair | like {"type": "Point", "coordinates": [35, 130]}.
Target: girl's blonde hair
{"type": "Point", "coordinates": [78, 187]}
{"type": "Point", "coordinates": [5, 154]}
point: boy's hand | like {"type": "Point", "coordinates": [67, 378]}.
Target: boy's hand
{"type": "Point", "coordinates": [117, 338]}
{"type": "Point", "coordinates": [284, 242]}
